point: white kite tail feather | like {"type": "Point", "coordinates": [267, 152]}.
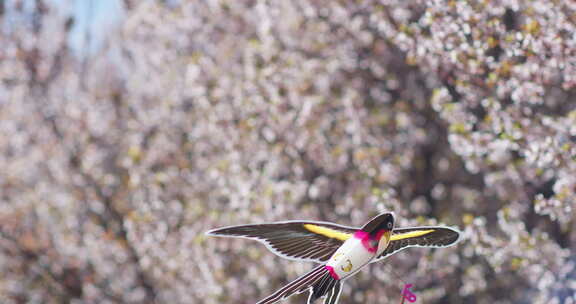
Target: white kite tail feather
{"type": "Point", "coordinates": [299, 285]}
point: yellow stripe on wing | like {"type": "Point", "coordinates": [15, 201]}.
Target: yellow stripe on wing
{"type": "Point", "coordinates": [331, 233]}
{"type": "Point", "coordinates": [411, 234]}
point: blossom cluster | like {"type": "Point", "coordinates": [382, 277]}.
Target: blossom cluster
{"type": "Point", "coordinates": [193, 115]}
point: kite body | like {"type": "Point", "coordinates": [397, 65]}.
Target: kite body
{"type": "Point", "coordinates": [356, 252]}
{"type": "Point", "coordinates": [342, 251]}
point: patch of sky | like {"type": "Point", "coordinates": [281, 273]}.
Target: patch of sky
{"type": "Point", "coordinates": [94, 20]}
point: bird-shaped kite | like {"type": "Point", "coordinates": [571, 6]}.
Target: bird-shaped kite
{"type": "Point", "coordinates": [342, 251]}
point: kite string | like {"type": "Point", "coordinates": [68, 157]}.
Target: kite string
{"type": "Point", "coordinates": [395, 274]}
{"type": "Point", "coordinates": [400, 278]}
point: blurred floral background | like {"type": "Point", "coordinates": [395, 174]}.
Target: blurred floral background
{"type": "Point", "coordinates": [129, 128]}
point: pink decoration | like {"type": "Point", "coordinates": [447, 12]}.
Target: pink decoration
{"type": "Point", "coordinates": [332, 272]}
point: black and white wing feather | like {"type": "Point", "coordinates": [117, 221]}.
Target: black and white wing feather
{"type": "Point", "coordinates": [296, 240]}
{"type": "Point", "coordinates": [420, 237]}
